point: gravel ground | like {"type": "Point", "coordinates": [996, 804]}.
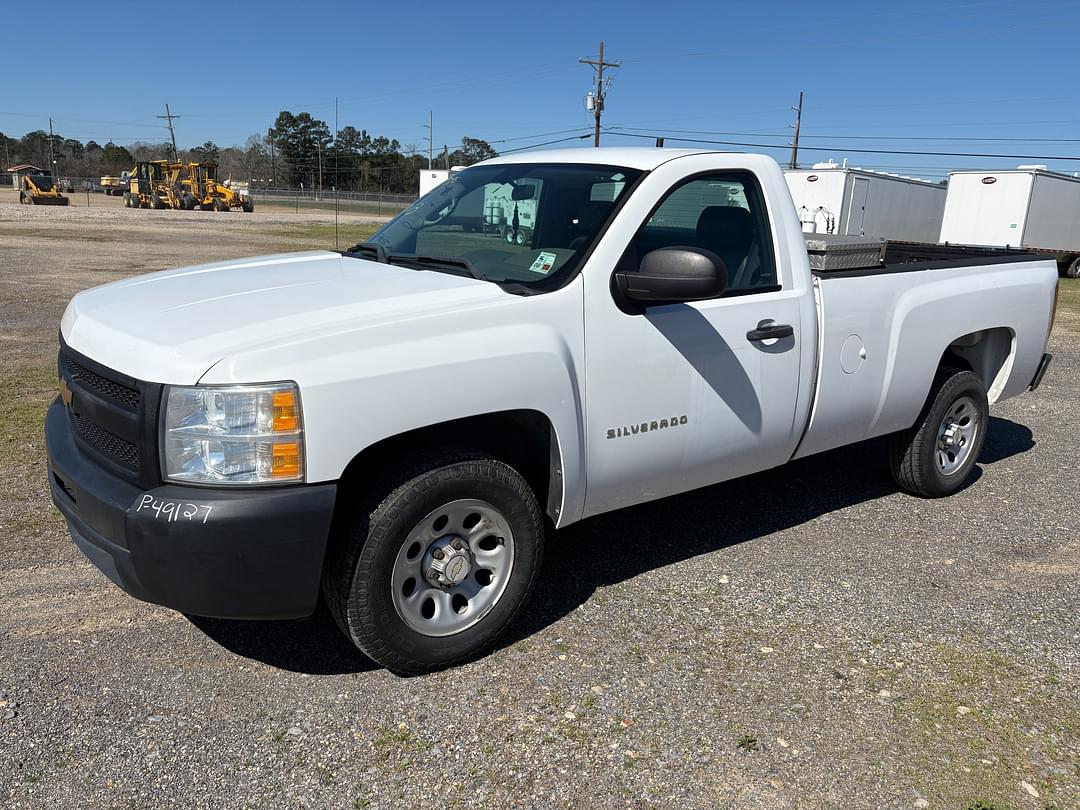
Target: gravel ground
{"type": "Point", "coordinates": [803, 638]}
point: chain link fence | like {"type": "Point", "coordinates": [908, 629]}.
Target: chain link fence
{"type": "Point", "coordinates": [89, 189]}
{"type": "Point", "coordinates": [356, 202]}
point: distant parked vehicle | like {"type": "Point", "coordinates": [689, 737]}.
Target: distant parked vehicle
{"type": "Point", "coordinates": [40, 189]}
{"type": "Point", "coordinates": [1027, 207]}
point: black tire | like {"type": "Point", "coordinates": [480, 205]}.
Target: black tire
{"type": "Point", "coordinates": [248, 206]}
{"type": "Point", "coordinates": [357, 575]}
{"type": "Point", "coordinates": [219, 204]}
{"type": "Point", "coordinates": [188, 203]}
{"type": "Point", "coordinates": [917, 455]}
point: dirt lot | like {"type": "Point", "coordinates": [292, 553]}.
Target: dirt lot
{"type": "Point", "coordinates": [803, 638]}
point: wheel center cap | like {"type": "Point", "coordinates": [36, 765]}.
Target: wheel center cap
{"type": "Point", "coordinates": [457, 569]}
{"type": "Point", "coordinates": [447, 562]}
{"type": "Point", "coordinates": [951, 435]}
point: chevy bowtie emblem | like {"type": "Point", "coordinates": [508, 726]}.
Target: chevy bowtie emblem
{"type": "Point", "coordinates": [65, 392]}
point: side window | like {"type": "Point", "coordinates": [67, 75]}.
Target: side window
{"type": "Point", "coordinates": [723, 213]}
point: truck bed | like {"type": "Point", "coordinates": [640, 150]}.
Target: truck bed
{"type": "Point", "coordinates": [838, 256]}
{"type": "Point", "coordinates": [907, 257]}
{"type": "Point", "coordinates": [882, 330]}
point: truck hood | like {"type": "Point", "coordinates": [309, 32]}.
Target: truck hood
{"type": "Point", "coordinates": [172, 326]}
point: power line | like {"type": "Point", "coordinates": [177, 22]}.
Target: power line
{"type": "Point", "coordinates": [853, 137]}
{"type": "Point", "coordinates": [547, 143]}
{"type": "Point", "coordinates": [852, 149]}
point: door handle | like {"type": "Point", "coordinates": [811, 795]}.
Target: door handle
{"type": "Point", "coordinates": [767, 330]}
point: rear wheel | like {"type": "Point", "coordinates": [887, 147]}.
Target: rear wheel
{"type": "Point", "coordinates": [1073, 270]}
{"type": "Point", "coordinates": [219, 204]}
{"type": "Point", "coordinates": [248, 206]}
{"type": "Point", "coordinates": [936, 456]}
{"type": "Point", "coordinates": [433, 574]}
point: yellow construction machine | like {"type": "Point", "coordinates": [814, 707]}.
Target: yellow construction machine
{"type": "Point", "coordinates": [203, 190]}
{"type": "Point", "coordinates": [155, 184]}
{"type": "Point", "coordinates": [40, 189]}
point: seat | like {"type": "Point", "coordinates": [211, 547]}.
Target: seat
{"type": "Point", "coordinates": [728, 231]}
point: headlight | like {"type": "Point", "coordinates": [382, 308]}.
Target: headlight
{"type": "Point", "coordinates": [244, 434]}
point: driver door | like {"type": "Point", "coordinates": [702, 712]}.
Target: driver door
{"type": "Point", "coordinates": [681, 395]}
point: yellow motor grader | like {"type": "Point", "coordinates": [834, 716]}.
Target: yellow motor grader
{"type": "Point", "coordinates": [155, 184]}
{"type": "Point", "coordinates": [40, 189]}
{"type": "Point", "coordinates": [203, 190]}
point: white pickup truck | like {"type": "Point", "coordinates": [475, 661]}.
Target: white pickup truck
{"type": "Point", "coordinates": [397, 426]}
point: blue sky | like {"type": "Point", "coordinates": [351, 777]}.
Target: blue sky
{"type": "Point", "coordinates": [877, 76]}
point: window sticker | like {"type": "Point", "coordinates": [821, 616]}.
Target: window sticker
{"type": "Point", "coordinates": [544, 262]}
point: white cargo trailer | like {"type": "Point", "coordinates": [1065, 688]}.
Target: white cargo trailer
{"type": "Point", "coordinates": [837, 199]}
{"type": "Point", "coordinates": [1027, 207]}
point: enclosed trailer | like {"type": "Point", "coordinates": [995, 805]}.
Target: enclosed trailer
{"type": "Point", "coordinates": [1027, 207]}
{"type": "Point", "coordinates": [836, 199]}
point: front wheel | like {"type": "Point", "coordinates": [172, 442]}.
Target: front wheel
{"type": "Point", "coordinates": [936, 456]}
{"type": "Point", "coordinates": [437, 571]}
{"type": "Point", "coordinates": [1073, 270]}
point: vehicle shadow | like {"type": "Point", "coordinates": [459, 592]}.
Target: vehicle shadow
{"type": "Point", "coordinates": [1004, 440]}
{"type": "Point", "coordinates": [615, 547]}
{"type": "Point", "coordinates": [314, 645]}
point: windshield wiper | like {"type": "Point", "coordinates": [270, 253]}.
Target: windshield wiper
{"type": "Point", "coordinates": [452, 264]}
{"type": "Point", "coordinates": [370, 247]}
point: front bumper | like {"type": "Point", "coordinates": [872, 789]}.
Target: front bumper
{"type": "Point", "coordinates": [252, 554]}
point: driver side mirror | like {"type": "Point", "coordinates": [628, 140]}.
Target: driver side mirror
{"type": "Point", "coordinates": [673, 275]}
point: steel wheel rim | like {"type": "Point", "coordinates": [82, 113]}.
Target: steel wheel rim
{"type": "Point", "coordinates": [957, 435]}
{"type": "Point", "coordinates": [443, 608]}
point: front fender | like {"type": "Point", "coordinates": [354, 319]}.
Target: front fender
{"type": "Point", "coordinates": [361, 386]}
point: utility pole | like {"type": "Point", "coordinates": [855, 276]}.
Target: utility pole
{"type": "Point", "coordinates": [337, 176]}
{"type": "Point", "coordinates": [52, 158]}
{"type": "Point", "coordinates": [795, 140]}
{"type": "Point", "coordinates": [318, 146]}
{"type": "Point", "coordinates": [172, 133]}
{"type": "Point", "coordinates": [446, 148]}
{"type": "Point", "coordinates": [598, 98]}
{"type": "Point", "coordinates": [430, 139]}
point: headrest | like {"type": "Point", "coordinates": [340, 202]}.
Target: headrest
{"type": "Point", "coordinates": [725, 224]}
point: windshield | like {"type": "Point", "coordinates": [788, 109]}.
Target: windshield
{"type": "Point", "coordinates": [42, 181]}
{"type": "Point", "coordinates": [521, 223]}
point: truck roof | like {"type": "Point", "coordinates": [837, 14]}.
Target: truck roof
{"type": "Point", "coordinates": [632, 157]}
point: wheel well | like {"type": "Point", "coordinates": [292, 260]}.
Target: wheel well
{"type": "Point", "coordinates": [988, 352]}
{"type": "Point", "coordinates": [523, 439]}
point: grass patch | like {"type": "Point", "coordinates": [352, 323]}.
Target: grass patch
{"type": "Point", "coordinates": [982, 723]}
{"type": "Point", "coordinates": [28, 390]}
{"type": "Point", "coordinates": [1068, 307]}
{"type": "Point", "coordinates": [321, 235]}
{"type": "Point", "coordinates": [371, 209]}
